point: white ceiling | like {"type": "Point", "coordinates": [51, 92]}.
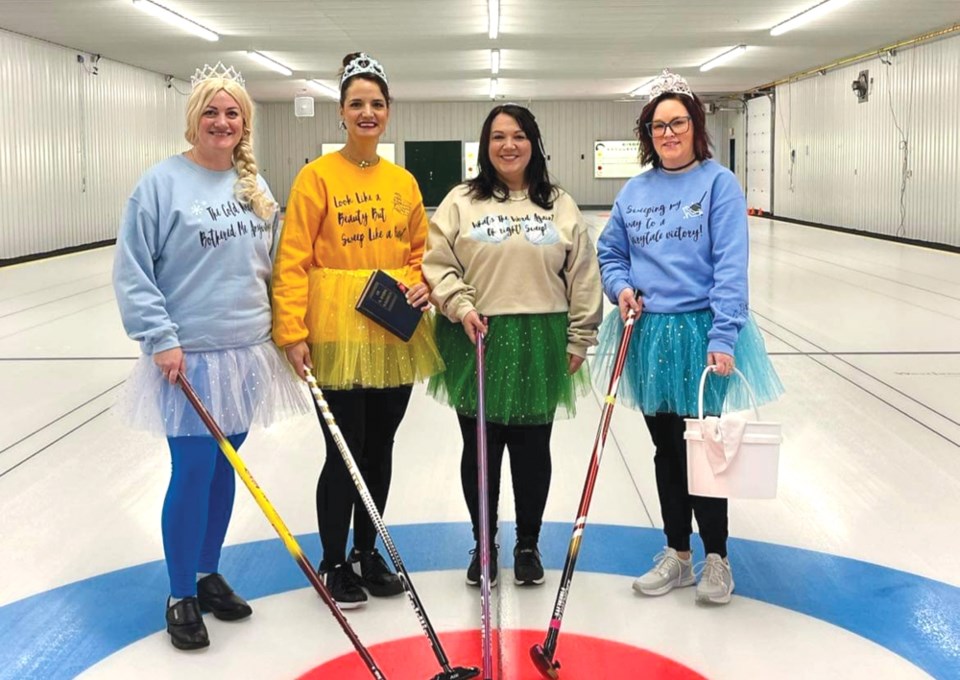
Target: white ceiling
{"type": "Point", "coordinates": [439, 50]}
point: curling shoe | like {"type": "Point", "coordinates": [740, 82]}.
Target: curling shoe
{"type": "Point", "coordinates": [185, 625]}
{"type": "Point", "coordinates": [473, 571]}
{"type": "Point", "coordinates": [527, 567]}
{"type": "Point", "coordinates": [374, 574]}
{"type": "Point", "coordinates": [344, 585]}
{"type": "Point", "coordinates": [669, 572]}
{"type": "Point", "coordinates": [215, 595]}
{"type": "Point", "coordinates": [716, 581]}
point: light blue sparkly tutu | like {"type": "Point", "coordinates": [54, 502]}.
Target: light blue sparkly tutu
{"type": "Point", "coordinates": [666, 357]}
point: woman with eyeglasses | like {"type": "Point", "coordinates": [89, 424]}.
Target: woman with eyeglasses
{"type": "Point", "coordinates": [675, 248]}
{"type": "Point", "coordinates": [508, 255]}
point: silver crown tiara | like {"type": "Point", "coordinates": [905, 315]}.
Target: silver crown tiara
{"type": "Point", "coordinates": [363, 63]}
{"type": "Point", "coordinates": [670, 82]}
{"type": "Point", "coordinates": [218, 71]}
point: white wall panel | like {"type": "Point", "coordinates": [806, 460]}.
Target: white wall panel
{"type": "Point", "coordinates": [849, 169]}
{"type": "Point", "coordinates": [760, 153]}
{"type": "Point", "coordinates": [569, 129]}
{"type": "Point", "coordinates": [73, 144]}
{"type": "Point", "coordinates": [725, 125]}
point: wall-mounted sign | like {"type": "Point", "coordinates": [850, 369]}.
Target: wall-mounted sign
{"type": "Point", "coordinates": [471, 160]}
{"type": "Point", "coordinates": [616, 159]}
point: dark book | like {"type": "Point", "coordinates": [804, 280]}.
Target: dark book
{"type": "Point", "coordinates": [384, 301]}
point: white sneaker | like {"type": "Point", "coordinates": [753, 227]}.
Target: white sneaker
{"type": "Point", "coordinates": [716, 581]}
{"type": "Point", "coordinates": [668, 573]}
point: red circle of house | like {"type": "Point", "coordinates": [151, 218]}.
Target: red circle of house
{"type": "Point", "coordinates": [581, 657]}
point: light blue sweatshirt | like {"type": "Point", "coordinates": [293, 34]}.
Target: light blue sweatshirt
{"type": "Point", "coordinates": [192, 263]}
{"type": "Point", "coordinates": [681, 239]}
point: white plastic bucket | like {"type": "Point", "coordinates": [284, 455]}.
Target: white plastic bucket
{"type": "Point", "coordinates": [751, 473]}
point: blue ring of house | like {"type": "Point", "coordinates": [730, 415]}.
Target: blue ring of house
{"type": "Point", "coordinates": [915, 617]}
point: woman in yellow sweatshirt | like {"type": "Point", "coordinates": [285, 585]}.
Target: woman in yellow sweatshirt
{"type": "Point", "coordinates": [350, 213]}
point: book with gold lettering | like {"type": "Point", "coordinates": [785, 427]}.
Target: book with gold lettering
{"type": "Point", "coordinates": [384, 301]}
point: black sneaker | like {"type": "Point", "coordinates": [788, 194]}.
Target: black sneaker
{"type": "Point", "coordinates": [527, 568]}
{"type": "Point", "coordinates": [473, 571]}
{"type": "Point", "coordinates": [344, 585]}
{"type": "Point", "coordinates": [374, 574]}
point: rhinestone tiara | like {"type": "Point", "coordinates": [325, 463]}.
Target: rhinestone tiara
{"type": "Point", "coordinates": [363, 63]}
{"type": "Point", "coordinates": [218, 71]}
{"type": "Point", "coordinates": [670, 82]}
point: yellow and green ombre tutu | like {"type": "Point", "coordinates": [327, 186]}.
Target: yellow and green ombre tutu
{"type": "Point", "coordinates": [349, 350]}
{"type": "Point", "coordinates": [525, 361]}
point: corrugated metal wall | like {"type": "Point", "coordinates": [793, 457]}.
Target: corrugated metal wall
{"type": "Point", "coordinates": [849, 163]}
{"type": "Point", "coordinates": [73, 144]}
{"type": "Point", "coordinates": [723, 126]}
{"type": "Point", "coordinates": [569, 129]}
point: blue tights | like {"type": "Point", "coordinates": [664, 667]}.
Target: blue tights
{"type": "Point", "coordinates": [196, 510]}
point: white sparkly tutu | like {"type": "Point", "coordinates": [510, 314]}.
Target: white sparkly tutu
{"type": "Point", "coordinates": [239, 387]}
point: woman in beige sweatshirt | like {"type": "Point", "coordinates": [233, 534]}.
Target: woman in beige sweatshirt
{"type": "Point", "coordinates": [508, 254]}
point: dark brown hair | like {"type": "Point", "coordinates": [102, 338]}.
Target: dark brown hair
{"type": "Point", "coordinates": [381, 83]}
{"type": "Point", "coordinates": [698, 118]}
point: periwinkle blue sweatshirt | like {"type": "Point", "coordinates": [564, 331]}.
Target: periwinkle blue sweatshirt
{"type": "Point", "coordinates": [192, 264]}
{"type": "Point", "coordinates": [681, 239]}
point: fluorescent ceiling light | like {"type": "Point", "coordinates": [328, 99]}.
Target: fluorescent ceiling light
{"type": "Point", "coordinates": [643, 89]}
{"type": "Point", "coordinates": [175, 19]}
{"type": "Point", "coordinates": [724, 58]}
{"type": "Point", "coordinates": [264, 60]}
{"type": "Point", "coordinates": [807, 16]}
{"type": "Point", "coordinates": [494, 62]}
{"type": "Point", "coordinates": [493, 12]}
{"type": "Point", "coordinates": [325, 89]}
{"type": "Point", "coordinates": [493, 88]}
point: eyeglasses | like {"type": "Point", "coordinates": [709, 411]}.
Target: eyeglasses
{"type": "Point", "coordinates": [678, 126]}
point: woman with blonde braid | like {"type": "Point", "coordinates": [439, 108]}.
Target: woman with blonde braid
{"type": "Point", "coordinates": [192, 265]}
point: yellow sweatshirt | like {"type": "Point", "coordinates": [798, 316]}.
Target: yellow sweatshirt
{"type": "Point", "coordinates": [340, 216]}
{"type": "Point", "coordinates": [514, 257]}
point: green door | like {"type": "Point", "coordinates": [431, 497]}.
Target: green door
{"type": "Point", "coordinates": [438, 167]}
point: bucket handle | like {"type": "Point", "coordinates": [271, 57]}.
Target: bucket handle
{"type": "Point", "coordinates": [703, 382]}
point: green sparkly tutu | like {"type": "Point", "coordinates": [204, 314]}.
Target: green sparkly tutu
{"type": "Point", "coordinates": [525, 363]}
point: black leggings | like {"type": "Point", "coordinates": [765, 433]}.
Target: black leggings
{"type": "Point", "coordinates": [530, 468]}
{"type": "Point", "coordinates": [677, 506]}
{"type": "Point", "coordinates": [368, 419]}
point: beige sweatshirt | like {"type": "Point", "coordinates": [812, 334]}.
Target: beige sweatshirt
{"type": "Point", "coordinates": [514, 258]}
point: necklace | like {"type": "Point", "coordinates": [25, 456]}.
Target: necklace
{"type": "Point", "coordinates": [682, 167]}
{"type": "Point", "coordinates": [360, 163]}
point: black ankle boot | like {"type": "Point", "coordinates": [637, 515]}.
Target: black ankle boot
{"type": "Point", "coordinates": [215, 595]}
{"type": "Point", "coordinates": [185, 625]}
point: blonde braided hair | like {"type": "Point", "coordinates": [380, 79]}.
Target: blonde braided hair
{"type": "Point", "coordinates": [247, 190]}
